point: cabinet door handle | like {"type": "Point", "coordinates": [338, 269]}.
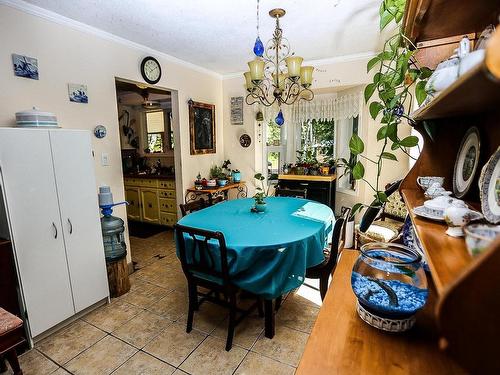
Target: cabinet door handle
{"type": "Point", "coordinates": [70, 226]}
{"type": "Point", "coordinates": [55, 230]}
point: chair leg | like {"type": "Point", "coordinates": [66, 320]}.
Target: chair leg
{"type": "Point", "coordinates": [11, 356]}
{"type": "Point", "coordinates": [323, 285]}
{"type": "Point", "coordinates": [3, 365]}
{"type": "Point", "coordinates": [232, 322]}
{"type": "Point", "coordinates": [269, 318]}
{"type": "Point", "coordinates": [193, 305]}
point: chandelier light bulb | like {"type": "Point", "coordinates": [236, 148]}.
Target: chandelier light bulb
{"type": "Point", "coordinates": [293, 64]}
{"type": "Point", "coordinates": [306, 73]}
{"type": "Point", "coordinates": [257, 70]}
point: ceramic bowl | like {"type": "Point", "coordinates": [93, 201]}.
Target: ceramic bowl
{"type": "Point", "coordinates": [457, 218]}
{"type": "Point", "coordinates": [36, 118]}
{"type": "Point", "coordinates": [470, 60]}
{"type": "Point", "coordinates": [445, 74]}
{"type": "Point", "coordinates": [426, 181]}
{"type": "Point", "coordinates": [479, 236]}
{"type": "Point", "coordinates": [438, 205]}
{"type": "Point", "coordinates": [436, 190]}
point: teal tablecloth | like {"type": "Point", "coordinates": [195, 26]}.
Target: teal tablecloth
{"type": "Point", "coordinates": [268, 253]}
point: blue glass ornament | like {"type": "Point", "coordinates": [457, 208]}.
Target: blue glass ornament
{"type": "Point", "coordinates": [258, 48]}
{"type": "Point", "coordinates": [279, 119]}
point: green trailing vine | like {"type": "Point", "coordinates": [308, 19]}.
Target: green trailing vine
{"type": "Point", "coordinates": [398, 77]}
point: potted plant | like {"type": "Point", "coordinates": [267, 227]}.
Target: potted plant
{"type": "Point", "coordinates": [260, 195]}
{"type": "Point", "coordinates": [198, 183]}
{"type": "Point", "coordinates": [227, 171]}
{"type": "Point", "coordinates": [215, 172]}
{"type": "Point", "coordinates": [222, 179]}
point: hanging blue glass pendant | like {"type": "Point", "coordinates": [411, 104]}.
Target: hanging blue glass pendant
{"type": "Point", "coordinates": [258, 48]}
{"type": "Point", "coordinates": [279, 119]}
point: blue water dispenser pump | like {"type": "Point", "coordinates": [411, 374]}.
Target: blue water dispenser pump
{"type": "Point", "coordinates": [112, 227]}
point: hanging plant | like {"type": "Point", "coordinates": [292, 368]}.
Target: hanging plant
{"type": "Point", "coordinates": [398, 77]}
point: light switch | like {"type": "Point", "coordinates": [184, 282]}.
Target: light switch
{"type": "Point", "coordinates": [104, 159]}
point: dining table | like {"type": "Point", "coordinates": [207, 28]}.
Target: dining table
{"type": "Point", "coordinates": [268, 252]}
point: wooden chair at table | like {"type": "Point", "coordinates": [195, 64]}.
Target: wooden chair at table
{"type": "Point", "coordinates": [187, 208]}
{"type": "Point", "coordinates": [324, 270]}
{"type": "Point", "coordinates": [216, 200]}
{"type": "Point", "coordinates": [295, 193]}
{"type": "Point", "coordinates": [11, 336]}
{"type": "Point", "coordinates": [209, 269]}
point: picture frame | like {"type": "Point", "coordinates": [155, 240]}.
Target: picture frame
{"type": "Point", "coordinates": [202, 135]}
{"type": "Point", "coordinates": [25, 66]}
{"type": "Point", "coordinates": [78, 93]}
{"type": "Point", "coordinates": [237, 110]}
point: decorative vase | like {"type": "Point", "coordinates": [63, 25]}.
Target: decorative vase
{"type": "Point", "coordinates": [260, 207]}
{"type": "Point", "coordinates": [390, 285]}
{"type": "Point", "coordinates": [236, 176]}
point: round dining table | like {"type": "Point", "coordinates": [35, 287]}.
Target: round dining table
{"type": "Point", "coordinates": [269, 252]}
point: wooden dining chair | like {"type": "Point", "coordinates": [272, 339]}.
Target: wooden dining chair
{"type": "Point", "coordinates": [296, 193]}
{"type": "Point", "coordinates": [206, 266]}
{"type": "Point", "coordinates": [11, 336]}
{"type": "Point", "coordinates": [219, 199]}
{"type": "Point", "coordinates": [196, 205]}
{"type": "Point", "coordinates": [324, 270]}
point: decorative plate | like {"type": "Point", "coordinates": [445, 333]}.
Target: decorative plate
{"type": "Point", "coordinates": [489, 189]}
{"type": "Point", "coordinates": [422, 212]}
{"type": "Point", "coordinates": [466, 163]}
{"type": "Point", "coordinates": [245, 140]}
{"type": "Point", "coordinates": [100, 131]}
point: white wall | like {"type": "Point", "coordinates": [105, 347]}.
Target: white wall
{"type": "Point", "coordinates": [69, 55]}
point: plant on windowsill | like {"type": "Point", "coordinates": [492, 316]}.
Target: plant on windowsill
{"type": "Point", "coordinates": [399, 75]}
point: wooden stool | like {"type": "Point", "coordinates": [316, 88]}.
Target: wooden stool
{"type": "Point", "coordinates": [118, 280]}
{"type": "Point", "coordinates": [11, 335]}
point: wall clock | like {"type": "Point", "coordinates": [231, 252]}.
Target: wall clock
{"type": "Point", "coordinates": [245, 140]}
{"type": "Point", "coordinates": [150, 70]}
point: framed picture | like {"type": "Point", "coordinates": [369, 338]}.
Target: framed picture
{"type": "Point", "coordinates": [25, 66]}
{"type": "Point", "coordinates": [237, 110]}
{"type": "Point", "coordinates": [77, 93]}
{"type": "Point", "coordinates": [202, 128]}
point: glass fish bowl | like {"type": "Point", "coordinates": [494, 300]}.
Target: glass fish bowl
{"type": "Point", "coordinates": [390, 285]}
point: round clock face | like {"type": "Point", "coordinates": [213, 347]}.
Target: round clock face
{"type": "Point", "coordinates": [150, 70]}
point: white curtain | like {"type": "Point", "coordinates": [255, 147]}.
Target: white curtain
{"type": "Point", "coordinates": [322, 107]}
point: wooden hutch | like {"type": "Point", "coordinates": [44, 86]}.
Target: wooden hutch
{"type": "Point", "coordinates": [459, 329]}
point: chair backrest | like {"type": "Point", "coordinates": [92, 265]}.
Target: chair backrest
{"type": "Point", "coordinates": [296, 193]}
{"type": "Point", "coordinates": [196, 205]}
{"type": "Point", "coordinates": [201, 259]}
{"type": "Point", "coordinates": [337, 240]}
{"type": "Point", "coordinates": [217, 200]}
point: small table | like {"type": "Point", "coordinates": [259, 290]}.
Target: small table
{"type": "Point", "coordinates": [216, 191]}
{"type": "Point", "coordinates": [268, 253]}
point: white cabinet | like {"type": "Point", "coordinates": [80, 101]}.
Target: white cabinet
{"type": "Point", "coordinates": [50, 197]}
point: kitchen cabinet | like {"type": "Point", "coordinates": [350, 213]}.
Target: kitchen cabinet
{"type": "Point", "coordinates": [151, 200]}
{"type": "Point", "coordinates": [49, 191]}
{"type": "Point", "coordinates": [319, 188]}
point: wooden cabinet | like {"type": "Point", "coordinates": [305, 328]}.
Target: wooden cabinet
{"type": "Point", "coordinates": [319, 188]}
{"type": "Point", "coordinates": [149, 204]}
{"type": "Point", "coordinates": [49, 191]}
{"type": "Point", "coordinates": [133, 198]}
{"type": "Point", "coordinates": [151, 200]}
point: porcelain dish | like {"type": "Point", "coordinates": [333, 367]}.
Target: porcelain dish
{"type": "Point", "coordinates": [437, 206]}
{"type": "Point", "coordinates": [422, 212]}
{"type": "Point", "coordinates": [489, 189]}
{"type": "Point", "coordinates": [466, 163]}
{"type": "Point", "coordinates": [36, 118]}
{"type": "Point", "coordinates": [479, 236]}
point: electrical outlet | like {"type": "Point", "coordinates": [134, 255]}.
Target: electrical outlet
{"type": "Point", "coordinates": [104, 159]}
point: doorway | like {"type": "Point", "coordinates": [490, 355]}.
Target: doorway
{"type": "Point", "coordinates": [149, 130]}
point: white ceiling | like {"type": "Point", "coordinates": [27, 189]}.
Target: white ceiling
{"type": "Point", "coordinates": [219, 34]}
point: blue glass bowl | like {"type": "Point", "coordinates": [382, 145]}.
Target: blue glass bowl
{"type": "Point", "coordinates": [389, 280]}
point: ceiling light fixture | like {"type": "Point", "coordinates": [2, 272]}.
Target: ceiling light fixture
{"type": "Point", "coordinates": [276, 75]}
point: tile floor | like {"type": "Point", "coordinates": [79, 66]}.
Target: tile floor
{"type": "Point", "coordinates": [144, 331]}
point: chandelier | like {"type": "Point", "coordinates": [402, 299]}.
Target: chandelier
{"type": "Point", "coordinates": [276, 75]}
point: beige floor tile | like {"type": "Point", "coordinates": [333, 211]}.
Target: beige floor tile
{"type": "Point", "coordinates": [173, 345]}
{"type": "Point", "coordinates": [102, 358]}
{"type": "Point", "coordinates": [144, 364]}
{"type": "Point", "coordinates": [61, 371]}
{"type": "Point", "coordinates": [256, 364]}
{"type": "Point", "coordinates": [207, 318]}
{"type": "Point", "coordinates": [111, 316]}
{"type": "Point", "coordinates": [286, 346]}
{"type": "Point", "coordinates": [144, 295]}
{"type": "Point", "coordinates": [245, 334]}
{"type": "Point", "coordinates": [142, 328]}
{"type": "Point", "coordinates": [212, 358]}
{"type": "Point", "coordinates": [70, 341]}
{"type": "Point", "coordinates": [180, 372]}
{"type": "Point", "coordinates": [35, 363]}
{"type": "Point", "coordinates": [297, 316]}
{"type": "Point", "coordinates": [172, 306]}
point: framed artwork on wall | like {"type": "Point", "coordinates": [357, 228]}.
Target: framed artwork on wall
{"type": "Point", "coordinates": [25, 66]}
{"type": "Point", "coordinates": [202, 128]}
{"type": "Point", "coordinates": [78, 93]}
{"type": "Point", "coordinates": [237, 110]}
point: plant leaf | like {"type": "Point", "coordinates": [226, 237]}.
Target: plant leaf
{"type": "Point", "coordinates": [389, 156]}
{"type": "Point", "coordinates": [354, 210]}
{"type": "Point", "coordinates": [395, 146]}
{"type": "Point", "coordinates": [381, 196]}
{"type": "Point", "coordinates": [376, 77]}
{"type": "Point", "coordinates": [385, 19]}
{"type": "Point", "coordinates": [425, 73]}
{"type": "Point", "coordinates": [375, 108]}
{"type": "Point", "coordinates": [371, 64]}
{"type": "Point", "coordinates": [369, 90]}
{"type": "Point", "coordinates": [382, 133]}
{"type": "Point", "coordinates": [410, 141]}
{"type": "Point", "coordinates": [358, 171]}
{"type": "Point", "coordinates": [420, 92]}
{"type": "Point", "coordinates": [356, 144]}
{"type": "Point", "coordinates": [392, 131]}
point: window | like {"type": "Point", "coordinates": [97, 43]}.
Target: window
{"type": "Point", "coordinates": [346, 128]}
{"type": "Point", "coordinates": [155, 125]}
{"type": "Point", "coordinates": [317, 141]}
{"type": "Point", "coordinates": [275, 150]}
